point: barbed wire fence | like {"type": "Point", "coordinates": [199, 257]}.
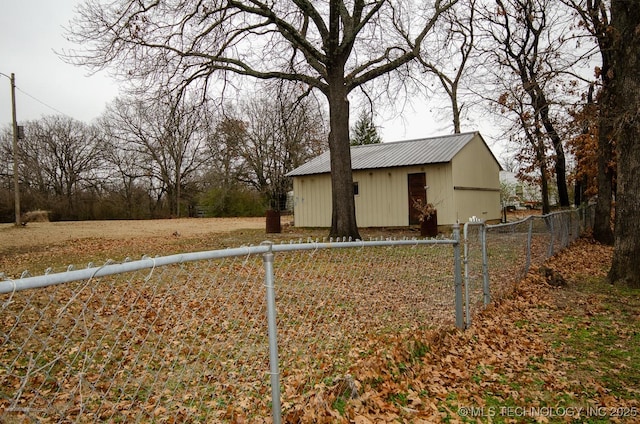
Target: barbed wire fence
{"type": "Point", "coordinates": [250, 334]}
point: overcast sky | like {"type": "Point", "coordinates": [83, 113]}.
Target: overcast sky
{"type": "Point", "coordinates": [31, 31]}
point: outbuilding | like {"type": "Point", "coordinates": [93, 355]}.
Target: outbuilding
{"type": "Point", "coordinates": [458, 174]}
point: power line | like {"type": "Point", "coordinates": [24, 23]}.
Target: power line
{"type": "Point", "coordinates": [43, 103]}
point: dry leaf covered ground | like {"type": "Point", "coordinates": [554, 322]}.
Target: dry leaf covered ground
{"type": "Point", "coordinates": [540, 354]}
{"type": "Point", "coordinates": [36, 234]}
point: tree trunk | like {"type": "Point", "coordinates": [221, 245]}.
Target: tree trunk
{"type": "Point", "coordinates": [537, 143]}
{"type": "Point", "coordinates": [560, 167]}
{"type": "Point", "coordinates": [178, 189]}
{"type": "Point", "coordinates": [544, 182]}
{"type": "Point", "coordinates": [625, 19]}
{"type": "Point", "coordinates": [456, 113]}
{"type": "Point", "coordinates": [605, 176]}
{"type": "Point", "coordinates": [602, 230]}
{"type": "Point", "coordinates": [540, 102]}
{"type": "Point", "coordinates": [343, 216]}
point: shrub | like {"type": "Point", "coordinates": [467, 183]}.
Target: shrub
{"type": "Point", "coordinates": [35, 216]}
{"type": "Point", "coordinates": [235, 201]}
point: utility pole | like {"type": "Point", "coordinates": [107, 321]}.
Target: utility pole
{"type": "Point", "coordinates": [16, 182]}
{"type": "Point", "coordinates": [16, 136]}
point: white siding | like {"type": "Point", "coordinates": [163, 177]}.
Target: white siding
{"type": "Point", "coordinates": [382, 200]}
{"type": "Point", "coordinates": [476, 181]}
{"type": "Point", "coordinates": [312, 201]}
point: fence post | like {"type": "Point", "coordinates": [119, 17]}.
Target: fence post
{"type": "Point", "coordinates": [458, 276]}
{"type": "Point", "coordinates": [276, 410]}
{"type": "Point", "coordinates": [529, 237]}
{"type": "Point", "coordinates": [550, 226]}
{"type": "Point", "coordinates": [485, 266]}
{"type": "Point", "coordinates": [573, 231]}
{"type": "Point", "coordinates": [465, 261]}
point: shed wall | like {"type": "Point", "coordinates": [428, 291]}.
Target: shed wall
{"type": "Point", "coordinates": [312, 201]}
{"type": "Point", "coordinates": [467, 186]}
{"type": "Point", "coordinates": [382, 199]}
{"type": "Point", "coordinates": [476, 182]}
{"type": "Point", "coordinates": [383, 193]}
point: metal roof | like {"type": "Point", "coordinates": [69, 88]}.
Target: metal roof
{"type": "Point", "coordinates": [421, 151]}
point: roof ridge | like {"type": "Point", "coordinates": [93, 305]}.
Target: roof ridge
{"type": "Point", "coordinates": [434, 137]}
{"type": "Point", "coordinates": [370, 156]}
{"type": "Point", "coordinates": [413, 140]}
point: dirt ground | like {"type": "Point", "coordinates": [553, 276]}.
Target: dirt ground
{"type": "Point", "coordinates": [54, 233]}
{"type": "Point", "coordinates": [47, 233]}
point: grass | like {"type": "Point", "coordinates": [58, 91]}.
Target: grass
{"type": "Point", "coordinates": [543, 354]}
{"type": "Point", "coordinates": [602, 339]}
{"type": "Point", "coordinates": [576, 347]}
{"type": "Point", "coordinates": [591, 365]}
{"type": "Point", "coordinates": [145, 339]}
{"type": "Point", "coordinates": [80, 252]}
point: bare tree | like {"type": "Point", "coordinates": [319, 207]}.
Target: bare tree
{"type": "Point", "coordinates": [450, 66]}
{"type": "Point", "coordinates": [125, 174]}
{"type": "Point", "coordinates": [223, 149]}
{"type": "Point", "coordinates": [332, 46]}
{"type": "Point", "coordinates": [525, 131]}
{"type": "Point", "coordinates": [166, 137]}
{"type": "Point", "coordinates": [7, 190]}
{"type": "Point", "coordinates": [282, 134]}
{"type": "Point", "coordinates": [60, 158]}
{"type": "Point", "coordinates": [221, 176]}
{"type": "Point", "coordinates": [530, 44]}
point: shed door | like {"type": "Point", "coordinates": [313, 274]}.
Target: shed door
{"type": "Point", "coordinates": [417, 192]}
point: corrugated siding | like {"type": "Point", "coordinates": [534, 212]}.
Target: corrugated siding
{"type": "Point", "coordinates": [474, 167]}
{"type": "Point", "coordinates": [395, 154]}
{"type": "Point", "coordinates": [312, 201]}
{"type": "Point", "coordinates": [383, 199]}
{"type": "Point", "coordinates": [440, 192]}
{"type": "Point", "coordinates": [482, 204]}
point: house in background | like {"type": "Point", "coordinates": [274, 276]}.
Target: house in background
{"type": "Point", "coordinates": [518, 194]}
{"type": "Point", "coordinates": [457, 173]}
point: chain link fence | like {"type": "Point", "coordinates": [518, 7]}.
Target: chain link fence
{"type": "Point", "coordinates": [252, 333]}
{"type": "Point", "coordinates": [185, 338]}
{"type": "Point", "coordinates": [501, 255]}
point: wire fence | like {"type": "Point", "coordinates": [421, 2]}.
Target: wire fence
{"type": "Point", "coordinates": [503, 254]}
{"type": "Point", "coordinates": [238, 334]}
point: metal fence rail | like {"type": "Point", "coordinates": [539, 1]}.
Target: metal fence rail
{"type": "Point", "coordinates": [245, 333]}
{"type": "Point", "coordinates": [184, 337]}
{"type": "Point", "coordinates": [513, 249]}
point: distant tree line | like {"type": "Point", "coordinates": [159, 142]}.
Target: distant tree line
{"type": "Point", "coordinates": [164, 156]}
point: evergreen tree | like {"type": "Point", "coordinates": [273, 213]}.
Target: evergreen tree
{"type": "Point", "coordinates": [365, 131]}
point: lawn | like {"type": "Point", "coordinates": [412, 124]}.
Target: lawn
{"type": "Point", "coordinates": [542, 354]}
{"type": "Point", "coordinates": [382, 350]}
{"type": "Point", "coordinates": [188, 342]}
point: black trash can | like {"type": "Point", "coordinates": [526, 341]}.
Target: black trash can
{"type": "Point", "coordinates": [429, 227]}
{"type": "Point", "coordinates": [273, 222]}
